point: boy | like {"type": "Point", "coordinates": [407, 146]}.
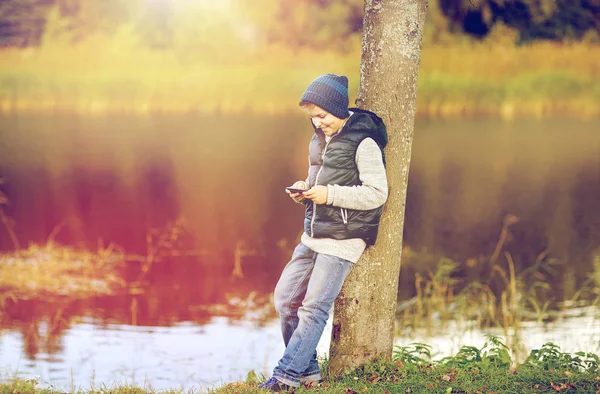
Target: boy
{"type": "Point", "coordinates": [347, 187]}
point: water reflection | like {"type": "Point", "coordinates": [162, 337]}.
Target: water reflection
{"type": "Point", "coordinates": [180, 356]}
{"type": "Point", "coordinates": [114, 179]}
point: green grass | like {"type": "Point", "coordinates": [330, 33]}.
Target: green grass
{"type": "Point", "coordinates": [23, 386]}
{"type": "Point", "coordinates": [488, 369]}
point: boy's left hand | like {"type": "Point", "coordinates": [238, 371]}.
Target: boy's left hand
{"type": "Point", "coordinates": [318, 194]}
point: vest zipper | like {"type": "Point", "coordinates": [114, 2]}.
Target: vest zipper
{"type": "Point", "coordinates": [312, 221]}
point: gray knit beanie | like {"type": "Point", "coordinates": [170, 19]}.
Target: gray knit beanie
{"type": "Point", "coordinates": [329, 92]}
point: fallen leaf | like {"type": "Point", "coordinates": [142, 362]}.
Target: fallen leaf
{"type": "Point", "coordinates": [311, 383]}
{"type": "Point", "coordinates": [350, 391]}
{"type": "Point", "coordinates": [408, 390]}
{"type": "Point", "coordinates": [561, 386]}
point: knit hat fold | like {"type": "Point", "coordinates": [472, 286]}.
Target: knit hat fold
{"type": "Point", "coordinates": [329, 92]}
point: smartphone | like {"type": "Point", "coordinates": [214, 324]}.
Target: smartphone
{"type": "Point", "coordinates": [295, 190]}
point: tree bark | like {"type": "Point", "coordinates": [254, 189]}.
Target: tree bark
{"type": "Point", "coordinates": [364, 313]}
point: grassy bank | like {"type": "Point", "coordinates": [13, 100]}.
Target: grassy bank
{"type": "Point", "coordinates": [472, 370]}
{"type": "Point", "coordinates": [43, 272]}
{"type": "Point", "coordinates": [100, 76]}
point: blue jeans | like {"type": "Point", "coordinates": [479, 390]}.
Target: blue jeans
{"type": "Point", "coordinates": [305, 293]}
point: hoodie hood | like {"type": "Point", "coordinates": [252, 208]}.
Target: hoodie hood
{"type": "Point", "coordinates": [367, 121]}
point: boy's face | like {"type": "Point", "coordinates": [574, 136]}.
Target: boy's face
{"type": "Point", "coordinates": [323, 120]}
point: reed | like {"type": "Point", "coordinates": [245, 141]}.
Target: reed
{"type": "Point", "coordinates": [445, 292]}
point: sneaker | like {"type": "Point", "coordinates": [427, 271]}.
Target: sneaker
{"type": "Point", "coordinates": [274, 385]}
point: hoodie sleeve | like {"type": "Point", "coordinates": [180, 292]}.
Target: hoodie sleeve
{"type": "Point", "coordinates": [374, 189]}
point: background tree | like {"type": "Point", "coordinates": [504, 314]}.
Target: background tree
{"type": "Point", "coordinates": [87, 17]}
{"type": "Point", "coordinates": [364, 314]}
{"type": "Point", "coordinates": [332, 25]}
{"type": "Point", "coordinates": [155, 26]}
{"type": "Point", "coordinates": [533, 19]}
{"type": "Point", "coordinates": [316, 24]}
{"type": "Point", "coordinates": [22, 22]}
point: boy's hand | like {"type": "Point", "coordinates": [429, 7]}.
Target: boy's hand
{"type": "Point", "coordinates": [297, 197]}
{"type": "Point", "coordinates": [318, 194]}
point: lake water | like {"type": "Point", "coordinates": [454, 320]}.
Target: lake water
{"type": "Point", "coordinates": [202, 320]}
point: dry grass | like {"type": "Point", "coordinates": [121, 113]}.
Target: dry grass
{"type": "Point", "coordinates": [54, 270]}
{"type": "Point", "coordinates": [107, 76]}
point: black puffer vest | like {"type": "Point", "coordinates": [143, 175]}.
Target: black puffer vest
{"type": "Point", "coordinates": [334, 163]}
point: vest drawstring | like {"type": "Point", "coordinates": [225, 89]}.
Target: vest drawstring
{"type": "Point", "coordinates": [344, 215]}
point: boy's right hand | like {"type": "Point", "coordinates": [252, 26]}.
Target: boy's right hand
{"type": "Point", "coordinates": [297, 197]}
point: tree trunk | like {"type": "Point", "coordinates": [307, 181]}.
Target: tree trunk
{"type": "Point", "coordinates": [364, 313]}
